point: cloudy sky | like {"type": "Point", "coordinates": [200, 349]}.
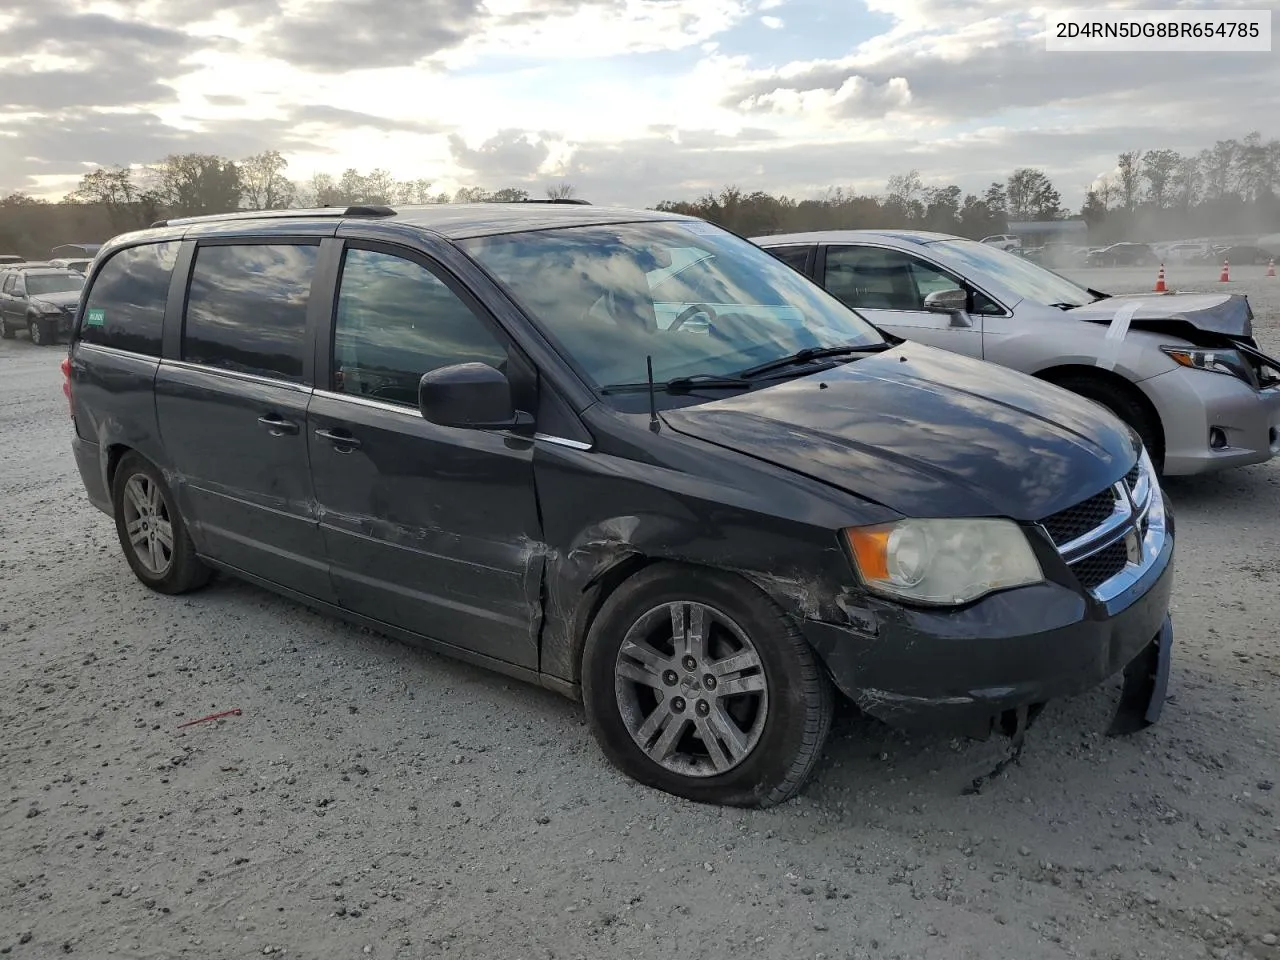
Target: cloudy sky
{"type": "Point", "coordinates": [631, 101]}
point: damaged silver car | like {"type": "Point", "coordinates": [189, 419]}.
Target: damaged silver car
{"type": "Point", "coordinates": [1182, 369]}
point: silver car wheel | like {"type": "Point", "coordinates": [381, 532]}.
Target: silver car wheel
{"type": "Point", "coordinates": [146, 519]}
{"type": "Point", "coordinates": [691, 689]}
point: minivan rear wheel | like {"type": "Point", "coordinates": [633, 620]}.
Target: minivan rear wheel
{"type": "Point", "coordinates": [697, 684]}
{"type": "Point", "coordinates": [151, 530]}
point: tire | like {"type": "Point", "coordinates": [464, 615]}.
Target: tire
{"type": "Point", "coordinates": [779, 721]}
{"type": "Point", "coordinates": [1120, 402]}
{"type": "Point", "coordinates": [43, 333]}
{"type": "Point", "coordinates": [6, 331]}
{"type": "Point", "coordinates": [139, 494]}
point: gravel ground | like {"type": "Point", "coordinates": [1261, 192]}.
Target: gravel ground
{"type": "Point", "coordinates": [372, 800]}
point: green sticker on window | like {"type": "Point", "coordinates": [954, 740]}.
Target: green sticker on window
{"type": "Point", "coordinates": [95, 317]}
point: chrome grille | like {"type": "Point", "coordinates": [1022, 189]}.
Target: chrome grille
{"type": "Point", "coordinates": [1074, 522]}
{"type": "Point", "coordinates": [1093, 571]}
{"type": "Point", "coordinates": [1104, 539]}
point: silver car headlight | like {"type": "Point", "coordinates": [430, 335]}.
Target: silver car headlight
{"type": "Point", "coordinates": [943, 561]}
{"type": "Point", "coordinates": [48, 309]}
{"type": "Point", "coordinates": [1229, 361]}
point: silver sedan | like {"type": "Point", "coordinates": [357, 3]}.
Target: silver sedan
{"type": "Point", "coordinates": [1182, 369]}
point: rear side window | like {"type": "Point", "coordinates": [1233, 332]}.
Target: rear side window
{"type": "Point", "coordinates": [247, 308]}
{"type": "Point", "coordinates": [125, 306]}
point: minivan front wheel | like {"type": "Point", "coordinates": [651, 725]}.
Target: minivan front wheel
{"type": "Point", "coordinates": [697, 684]}
{"type": "Point", "coordinates": [151, 531]}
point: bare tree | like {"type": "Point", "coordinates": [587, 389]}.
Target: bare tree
{"type": "Point", "coordinates": [126, 204]}
{"type": "Point", "coordinates": [1158, 169]}
{"type": "Point", "coordinates": [1129, 171]}
{"type": "Point", "coordinates": [1256, 172]}
{"type": "Point", "coordinates": [1187, 182]}
{"type": "Point", "coordinates": [192, 184]}
{"type": "Point", "coordinates": [1032, 195]}
{"type": "Point", "coordinates": [1218, 165]}
{"type": "Point", "coordinates": [561, 191]}
{"type": "Point", "coordinates": [263, 181]}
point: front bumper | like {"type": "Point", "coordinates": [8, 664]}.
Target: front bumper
{"type": "Point", "coordinates": [1192, 402]}
{"type": "Point", "coordinates": [960, 670]}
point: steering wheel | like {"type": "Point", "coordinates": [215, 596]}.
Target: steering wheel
{"type": "Point", "coordinates": [691, 311]}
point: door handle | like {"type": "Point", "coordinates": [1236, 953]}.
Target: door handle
{"type": "Point", "coordinates": [342, 442]}
{"type": "Point", "coordinates": [278, 426]}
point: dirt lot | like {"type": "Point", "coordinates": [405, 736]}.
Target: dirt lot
{"type": "Point", "coordinates": [372, 800]}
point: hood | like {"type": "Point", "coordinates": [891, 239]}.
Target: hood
{"type": "Point", "coordinates": [1228, 314]}
{"type": "Point", "coordinates": [926, 433]}
{"type": "Point", "coordinates": [67, 298]}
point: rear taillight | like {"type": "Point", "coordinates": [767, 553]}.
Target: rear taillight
{"type": "Point", "coordinates": [66, 383]}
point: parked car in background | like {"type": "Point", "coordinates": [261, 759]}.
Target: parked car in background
{"type": "Point", "coordinates": [467, 426]}
{"type": "Point", "coordinates": [7, 258]}
{"type": "Point", "coordinates": [40, 300]}
{"type": "Point", "coordinates": [1060, 254]}
{"type": "Point", "coordinates": [1240, 254]}
{"type": "Point", "coordinates": [78, 265]}
{"type": "Point", "coordinates": [76, 250]}
{"type": "Point", "coordinates": [1003, 241]}
{"type": "Point", "coordinates": [1187, 252]}
{"type": "Point", "coordinates": [1124, 254]}
{"type": "Point", "coordinates": [1182, 369]}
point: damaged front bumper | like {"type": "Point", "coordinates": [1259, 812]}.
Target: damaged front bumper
{"type": "Point", "coordinates": [963, 670]}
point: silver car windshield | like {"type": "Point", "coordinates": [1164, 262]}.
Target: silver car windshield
{"type": "Point", "coordinates": [1024, 278]}
{"type": "Point", "coordinates": [695, 298]}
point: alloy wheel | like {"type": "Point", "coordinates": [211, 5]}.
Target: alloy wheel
{"type": "Point", "coordinates": [147, 522]}
{"type": "Point", "coordinates": [691, 689]}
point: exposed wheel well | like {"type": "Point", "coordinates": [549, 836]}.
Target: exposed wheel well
{"type": "Point", "coordinates": [114, 453]}
{"type": "Point", "coordinates": [1073, 371]}
{"type": "Point", "coordinates": [593, 598]}
{"type": "Point", "coordinates": [600, 589]}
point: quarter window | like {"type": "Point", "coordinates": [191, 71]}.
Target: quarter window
{"type": "Point", "coordinates": [795, 257]}
{"type": "Point", "coordinates": [395, 321]}
{"type": "Point", "coordinates": [247, 308]}
{"type": "Point", "coordinates": [125, 305]}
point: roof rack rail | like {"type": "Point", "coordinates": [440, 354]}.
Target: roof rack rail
{"type": "Point", "coordinates": [369, 210]}
{"type": "Point", "coordinates": [346, 210]}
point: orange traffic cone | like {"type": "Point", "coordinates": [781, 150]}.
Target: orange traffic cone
{"type": "Point", "coordinates": [1271, 267]}
{"type": "Point", "coordinates": [1160, 287]}
{"type": "Point", "coordinates": [1226, 273]}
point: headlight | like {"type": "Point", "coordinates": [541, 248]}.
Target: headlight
{"type": "Point", "coordinates": [943, 561]}
{"type": "Point", "coordinates": [46, 308]}
{"type": "Point", "coordinates": [1230, 362]}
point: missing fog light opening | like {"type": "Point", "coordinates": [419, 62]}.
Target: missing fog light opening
{"type": "Point", "coordinates": [1217, 438]}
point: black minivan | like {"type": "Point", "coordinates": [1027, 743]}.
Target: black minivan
{"type": "Point", "coordinates": [624, 454]}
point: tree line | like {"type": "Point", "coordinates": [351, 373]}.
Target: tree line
{"type": "Point", "coordinates": [1232, 187]}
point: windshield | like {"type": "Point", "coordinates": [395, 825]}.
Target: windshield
{"type": "Point", "coordinates": [698, 300]}
{"type": "Point", "coordinates": [1023, 277]}
{"type": "Point", "coordinates": [43, 283]}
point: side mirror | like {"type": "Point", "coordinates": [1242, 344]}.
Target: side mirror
{"type": "Point", "coordinates": [469, 395]}
{"type": "Point", "coordinates": [954, 302]}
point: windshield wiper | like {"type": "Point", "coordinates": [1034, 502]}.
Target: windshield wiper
{"type": "Point", "coordinates": [698, 381]}
{"type": "Point", "coordinates": [809, 354]}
